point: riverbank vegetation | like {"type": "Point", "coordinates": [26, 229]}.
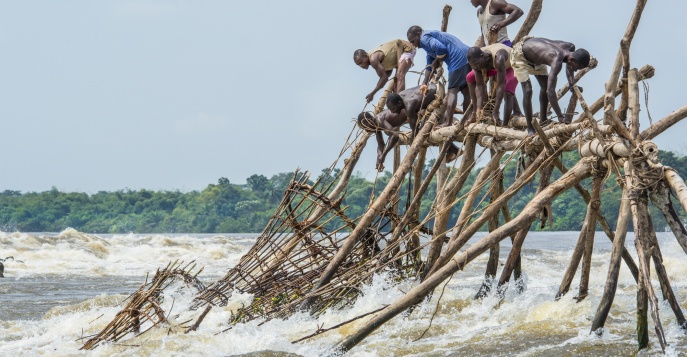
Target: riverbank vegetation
{"type": "Point", "coordinates": [225, 207]}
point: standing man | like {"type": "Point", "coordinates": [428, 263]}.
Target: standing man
{"type": "Point", "coordinates": [491, 15]}
{"type": "Point", "coordinates": [530, 56]}
{"type": "Point", "coordinates": [444, 47]}
{"type": "Point", "coordinates": [495, 61]}
{"type": "Point", "coordinates": [396, 54]}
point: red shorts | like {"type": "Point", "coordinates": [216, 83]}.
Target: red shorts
{"type": "Point", "coordinates": [511, 81]}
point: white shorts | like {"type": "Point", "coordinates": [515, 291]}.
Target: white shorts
{"type": "Point", "coordinates": [408, 56]}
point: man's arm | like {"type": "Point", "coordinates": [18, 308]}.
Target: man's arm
{"type": "Point", "coordinates": [556, 66]}
{"type": "Point", "coordinates": [500, 65]}
{"type": "Point", "coordinates": [381, 145]}
{"type": "Point", "coordinates": [480, 40]}
{"type": "Point", "coordinates": [432, 45]}
{"type": "Point", "coordinates": [376, 63]}
{"type": "Point", "coordinates": [513, 12]}
{"type": "Point", "coordinates": [480, 91]}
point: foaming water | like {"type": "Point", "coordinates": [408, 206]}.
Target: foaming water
{"type": "Point", "coordinates": [69, 285]}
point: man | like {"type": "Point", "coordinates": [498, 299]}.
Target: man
{"type": "Point", "coordinates": [495, 60]}
{"type": "Point", "coordinates": [403, 107]}
{"type": "Point", "coordinates": [491, 15]}
{"type": "Point", "coordinates": [409, 103]}
{"type": "Point", "coordinates": [444, 47]}
{"type": "Point", "coordinates": [530, 56]}
{"type": "Point", "coordinates": [386, 122]}
{"type": "Point", "coordinates": [396, 54]}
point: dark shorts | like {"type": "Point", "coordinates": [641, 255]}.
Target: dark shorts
{"type": "Point", "coordinates": [456, 79]}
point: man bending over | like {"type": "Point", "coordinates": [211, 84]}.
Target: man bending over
{"type": "Point", "coordinates": [396, 54]}
{"type": "Point", "coordinates": [530, 56]}
{"type": "Point", "coordinates": [444, 47]}
{"type": "Point", "coordinates": [495, 60]}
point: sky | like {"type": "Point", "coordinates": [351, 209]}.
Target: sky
{"type": "Point", "coordinates": [173, 95]}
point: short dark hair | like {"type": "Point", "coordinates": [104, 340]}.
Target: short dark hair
{"type": "Point", "coordinates": [582, 57]}
{"type": "Point", "coordinates": [366, 121]}
{"type": "Point", "coordinates": [395, 99]}
{"type": "Point", "coordinates": [474, 53]}
{"type": "Point", "coordinates": [413, 30]}
{"type": "Point", "coordinates": [359, 53]}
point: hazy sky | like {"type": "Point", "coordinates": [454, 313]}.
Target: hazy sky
{"type": "Point", "coordinates": [106, 95]}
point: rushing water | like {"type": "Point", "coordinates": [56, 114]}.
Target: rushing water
{"type": "Point", "coordinates": [68, 285]}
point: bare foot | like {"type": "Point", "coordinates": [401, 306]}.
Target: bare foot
{"type": "Point", "coordinates": [530, 131]}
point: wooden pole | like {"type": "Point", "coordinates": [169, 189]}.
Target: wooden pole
{"type": "Point", "coordinates": [614, 266]}
{"type": "Point", "coordinates": [661, 199]}
{"type": "Point", "coordinates": [576, 174]}
{"type": "Point", "coordinates": [443, 212]}
{"type": "Point", "coordinates": [678, 185]}
{"type": "Point", "coordinates": [530, 21]}
{"type": "Point", "coordinates": [592, 209]}
{"type": "Point", "coordinates": [378, 205]}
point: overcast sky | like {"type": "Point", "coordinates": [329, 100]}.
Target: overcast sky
{"type": "Point", "coordinates": [106, 95]}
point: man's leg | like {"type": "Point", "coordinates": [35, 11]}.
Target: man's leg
{"type": "Point", "coordinates": [527, 104]}
{"type": "Point", "coordinates": [451, 101]}
{"type": "Point", "coordinates": [401, 71]}
{"type": "Point", "coordinates": [543, 100]}
{"type": "Point", "coordinates": [507, 108]}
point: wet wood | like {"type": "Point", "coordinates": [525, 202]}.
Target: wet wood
{"type": "Point", "coordinates": [575, 175]}
{"type": "Point", "coordinates": [614, 266]}
{"type": "Point", "coordinates": [593, 209]}
{"type": "Point", "coordinates": [378, 205]}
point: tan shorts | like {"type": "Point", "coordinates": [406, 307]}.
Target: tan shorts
{"type": "Point", "coordinates": [522, 67]}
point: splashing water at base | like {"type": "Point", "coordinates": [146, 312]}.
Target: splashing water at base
{"type": "Point", "coordinates": [68, 286]}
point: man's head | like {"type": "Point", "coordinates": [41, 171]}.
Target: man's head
{"type": "Point", "coordinates": [367, 122]}
{"type": "Point", "coordinates": [395, 103]}
{"type": "Point", "coordinates": [579, 59]}
{"type": "Point", "coordinates": [414, 34]}
{"type": "Point", "coordinates": [478, 59]}
{"type": "Point", "coordinates": [361, 58]}
{"type": "Point", "coordinates": [476, 3]}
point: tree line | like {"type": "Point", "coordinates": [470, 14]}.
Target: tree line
{"type": "Point", "coordinates": [225, 207]}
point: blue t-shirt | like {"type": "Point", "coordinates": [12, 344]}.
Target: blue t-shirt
{"type": "Point", "coordinates": [437, 43]}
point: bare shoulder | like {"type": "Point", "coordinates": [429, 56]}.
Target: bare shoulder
{"type": "Point", "coordinates": [497, 6]}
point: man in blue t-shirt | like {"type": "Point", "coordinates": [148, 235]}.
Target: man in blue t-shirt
{"type": "Point", "coordinates": [444, 47]}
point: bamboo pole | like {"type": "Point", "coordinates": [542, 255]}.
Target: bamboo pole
{"type": "Point", "coordinates": [593, 209]}
{"type": "Point", "coordinates": [415, 295]}
{"type": "Point", "coordinates": [661, 199]}
{"type": "Point", "coordinates": [633, 102]}
{"type": "Point", "coordinates": [614, 266]}
{"type": "Point", "coordinates": [378, 205]}
{"type": "Point", "coordinates": [443, 213]}
{"type": "Point", "coordinates": [666, 289]}
{"type": "Point", "coordinates": [623, 53]}
{"type": "Point", "coordinates": [638, 208]}
{"type": "Point", "coordinates": [678, 185]}
{"type": "Point", "coordinates": [530, 21]}
{"type": "Point", "coordinates": [605, 226]}
{"type": "Point", "coordinates": [513, 261]}
{"type": "Point", "coordinates": [458, 240]}
{"type": "Point", "coordinates": [665, 123]}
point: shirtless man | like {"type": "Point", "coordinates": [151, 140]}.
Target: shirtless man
{"type": "Point", "coordinates": [410, 102]}
{"type": "Point", "coordinates": [386, 122]}
{"type": "Point", "coordinates": [403, 107]}
{"type": "Point", "coordinates": [396, 54]}
{"type": "Point", "coordinates": [491, 15]}
{"type": "Point", "coordinates": [444, 47]}
{"type": "Point", "coordinates": [495, 60]}
{"type": "Point", "coordinates": [530, 56]}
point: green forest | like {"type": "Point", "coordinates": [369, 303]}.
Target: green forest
{"type": "Point", "coordinates": [225, 207]}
